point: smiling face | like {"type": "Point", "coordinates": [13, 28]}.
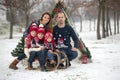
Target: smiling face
{"type": "Point", "coordinates": [40, 35]}
{"type": "Point", "coordinates": [45, 18]}
{"type": "Point", "coordinates": [49, 39]}
{"type": "Point", "coordinates": [33, 33]}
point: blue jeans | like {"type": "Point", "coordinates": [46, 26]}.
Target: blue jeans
{"type": "Point", "coordinates": [50, 56]}
{"type": "Point", "coordinates": [70, 54]}
{"type": "Point", "coordinates": [41, 55]}
{"type": "Point", "coordinates": [21, 56]}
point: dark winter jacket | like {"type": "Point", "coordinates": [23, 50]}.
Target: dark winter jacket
{"type": "Point", "coordinates": [62, 36]}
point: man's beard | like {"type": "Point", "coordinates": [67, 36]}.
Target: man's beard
{"type": "Point", "coordinates": [61, 22]}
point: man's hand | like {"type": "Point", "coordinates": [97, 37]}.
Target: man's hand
{"type": "Point", "coordinates": [74, 49]}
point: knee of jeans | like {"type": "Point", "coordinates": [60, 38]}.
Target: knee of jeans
{"type": "Point", "coordinates": [32, 54]}
{"type": "Point", "coordinates": [75, 54]}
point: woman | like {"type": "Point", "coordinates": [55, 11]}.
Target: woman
{"type": "Point", "coordinates": [45, 20]}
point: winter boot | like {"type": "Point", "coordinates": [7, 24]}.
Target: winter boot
{"type": "Point", "coordinates": [43, 69]}
{"type": "Point", "coordinates": [30, 67]}
{"type": "Point", "coordinates": [13, 64]}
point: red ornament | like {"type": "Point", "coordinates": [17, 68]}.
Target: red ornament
{"type": "Point", "coordinates": [84, 59]}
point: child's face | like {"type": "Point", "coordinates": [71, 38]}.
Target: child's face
{"type": "Point", "coordinates": [49, 39]}
{"type": "Point", "coordinates": [40, 35]}
{"type": "Point", "coordinates": [33, 33]}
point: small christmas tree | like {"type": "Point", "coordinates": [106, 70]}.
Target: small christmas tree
{"type": "Point", "coordinates": [19, 48]}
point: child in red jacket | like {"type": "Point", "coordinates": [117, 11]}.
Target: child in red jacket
{"type": "Point", "coordinates": [50, 46]}
{"type": "Point", "coordinates": [28, 41]}
{"type": "Point", "coordinates": [38, 50]}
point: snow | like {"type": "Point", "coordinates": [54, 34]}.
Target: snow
{"type": "Point", "coordinates": [105, 65]}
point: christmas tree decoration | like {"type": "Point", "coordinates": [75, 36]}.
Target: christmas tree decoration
{"type": "Point", "coordinates": [19, 48]}
{"type": "Point", "coordinates": [57, 9]}
{"type": "Point", "coordinates": [84, 59]}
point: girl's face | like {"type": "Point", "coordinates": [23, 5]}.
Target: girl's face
{"type": "Point", "coordinates": [49, 39]}
{"type": "Point", "coordinates": [40, 35]}
{"type": "Point", "coordinates": [33, 33]}
{"type": "Point", "coordinates": [45, 19]}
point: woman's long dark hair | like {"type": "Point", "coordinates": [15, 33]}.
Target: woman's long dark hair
{"type": "Point", "coordinates": [49, 24]}
{"type": "Point", "coordinates": [46, 13]}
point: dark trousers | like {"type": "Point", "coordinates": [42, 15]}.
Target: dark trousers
{"type": "Point", "coordinates": [41, 55]}
{"type": "Point", "coordinates": [21, 56]}
{"type": "Point", "coordinates": [70, 54]}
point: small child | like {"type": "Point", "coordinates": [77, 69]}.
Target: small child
{"type": "Point", "coordinates": [29, 39]}
{"type": "Point", "coordinates": [38, 50]}
{"type": "Point", "coordinates": [50, 46]}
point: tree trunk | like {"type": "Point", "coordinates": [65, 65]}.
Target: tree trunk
{"type": "Point", "coordinates": [98, 22]}
{"type": "Point", "coordinates": [11, 23]}
{"type": "Point", "coordinates": [107, 17]}
{"type": "Point", "coordinates": [90, 24]}
{"type": "Point", "coordinates": [27, 20]}
{"type": "Point", "coordinates": [94, 24]}
{"type": "Point", "coordinates": [114, 22]}
{"type": "Point", "coordinates": [109, 26]}
{"type": "Point", "coordinates": [117, 23]}
{"type": "Point", "coordinates": [11, 30]}
{"type": "Point", "coordinates": [103, 19]}
{"type": "Point", "coordinates": [80, 23]}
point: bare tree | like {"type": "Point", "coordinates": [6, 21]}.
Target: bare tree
{"type": "Point", "coordinates": [27, 6]}
{"type": "Point", "coordinates": [11, 8]}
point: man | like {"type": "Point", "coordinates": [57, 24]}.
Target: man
{"type": "Point", "coordinates": [62, 34]}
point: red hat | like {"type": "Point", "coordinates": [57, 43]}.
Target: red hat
{"type": "Point", "coordinates": [41, 30]}
{"type": "Point", "coordinates": [33, 29]}
{"type": "Point", "coordinates": [48, 34]}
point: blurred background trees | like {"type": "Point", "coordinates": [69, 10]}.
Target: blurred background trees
{"type": "Point", "coordinates": [101, 12]}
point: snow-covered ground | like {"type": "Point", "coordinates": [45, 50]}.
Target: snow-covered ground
{"type": "Point", "coordinates": [105, 66]}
